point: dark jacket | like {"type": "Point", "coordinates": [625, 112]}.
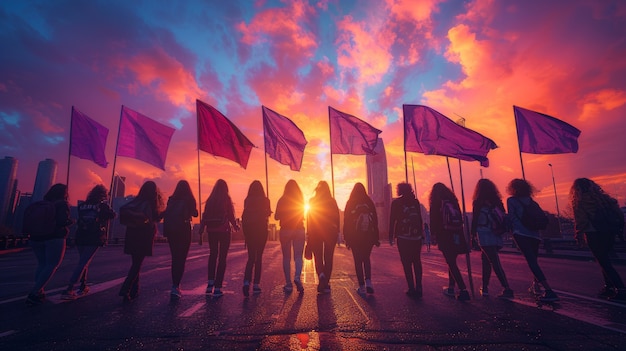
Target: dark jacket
{"type": "Point", "coordinates": [290, 214]}
{"type": "Point", "coordinates": [254, 218]}
{"type": "Point", "coordinates": [227, 211]}
{"type": "Point", "coordinates": [63, 221]}
{"type": "Point", "coordinates": [177, 218]}
{"type": "Point", "coordinates": [323, 218]}
{"type": "Point", "coordinates": [396, 213]}
{"type": "Point", "coordinates": [93, 234]}
{"type": "Point", "coordinates": [447, 240]}
{"type": "Point", "coordinates": [138, 240]}
{"type": "Point", "coordinates": [350, 216]}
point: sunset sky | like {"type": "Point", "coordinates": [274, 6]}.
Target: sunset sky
{"type": "Point", "coordinates": [470, 59]}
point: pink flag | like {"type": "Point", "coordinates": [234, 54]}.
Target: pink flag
{"type": "Point", "coordinates": [542, 134]}
{"type": "Point", "coordinates": [350, 135]}
{"type": "Point", "coordinates": [88, 138]}
{"type": "Point", "coordinates": [284, 141]}
{"type": "Point", "coordinates": [431, 133]}
{"type": "Point", "coordinates": [220, 137]}
{"type": "Point", "coordinates": [143, 138]}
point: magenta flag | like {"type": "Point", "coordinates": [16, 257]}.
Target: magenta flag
{"type": "Point", "coordinates": [538, 133]}
{"type": "Point", "coordinates": [284, 141]}
{"type": "Point", "coordinates": [88, 138]}
{"type": "Point", "coordinates": [220, 137]}
{"type": "Point", "coordinates": [431, 133]}
{"type": "Point", "coordinates": [143, 138]}
{"type": "Point", "coordinates": [351, 135]}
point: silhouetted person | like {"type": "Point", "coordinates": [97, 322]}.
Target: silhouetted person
{"type": "Point", "coordinates": [599, 218]}
{"type": "Point", "coordinates": [446, 226]}
{"type": "Point", "coordinates": [486, 199]}
{"type": "Point", "coordinates": [181, 206]}
{"type": "Point", "coordinates": [290, 214]}
{"type": "Point", "coordinates": [218, 219]}
{"type": "Point", "coordinates": [139, 238]}
{"type": "Point", "coordinates": [93, 217]}
{"type": "Point", "coordinates": [49, 243]}
{"type": "Point", "coordinates": [427, 238]}
{"type": "Point", "coordinates": [360, 230]}
{"type": "Point", "coordinates": [406, 226]}
{"type": "Point", "coordinates": [323, 226]}
{"type": "Point", "coordinates": [254, 220]}
{"type": "Point", "coordinates": [526, 239]}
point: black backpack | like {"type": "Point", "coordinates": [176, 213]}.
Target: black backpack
{"type": "Point", "coordinates": [533, 216]}
{"type": "Point", "coordinates": [497, 219]}
{"type": "Point", "coordinates": [40, 219]}
{"type": "Point", "coordinates": [364, 221]}
{"type": "Point", "coordinates": [411, 222]}
{"type": "Point", "coordinates": [451, 214]}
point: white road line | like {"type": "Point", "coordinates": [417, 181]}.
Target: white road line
{"type": "Point", "coordinates": [357, 305]}
{"type": "Point", "coordinates": [7, 333]}
{"type": "Point", "coordinates": [193, 309]}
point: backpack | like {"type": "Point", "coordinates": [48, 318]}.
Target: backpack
{"type": "Point", "coordinates": [364, 221]}
{"type": "Point", "coordinates": [40, 219]}
{"type": "Point", "coordinates": [89, 219]}
{"type": "Point", "coordinates": [497, 220]}
{"type": "Point", "coordinates": [133, 214]}
{"type": "Point", "coordinates": [175, 216]}
{"type": "Point", "coordinates": [533, 216]}
{"type": "Point", "coordinates": [214, 219]}
{"type": "Point", "coordinates": [452, 217]}
{"type": "Point", "coordinates": [411, 223]}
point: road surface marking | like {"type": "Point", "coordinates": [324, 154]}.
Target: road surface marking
{"type": "Point", "coordinates": [193, 309]}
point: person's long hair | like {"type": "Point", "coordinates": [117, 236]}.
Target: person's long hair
{"type": "Point", "coordinates": [255, 191]}
{"type": "Point", "coordinates": [486, 192]}
{"type": "Point", "coordinates": [97, 194]}
{"type": "Point", "coordinates": [150, 193]}
{"type": "Point", "coordinates": [57, 192]}
{"type": "Point", "coordinates": [183, 192]}
{"type": "Point", "coordinates": [587, 186]}
{"type": "Point", "coordinates": [322, 191]}
{"type": "Point", "coordinates": [358, 196]}
{"type": "Point", "coordinates": [439, 193]}
{"type": "Point", "coordinates": [404, 189]}
{"type": "Point", "coordinates": [219, 197]}
{"type": "Point", "coordinates": [520, 188]}
{"type": "Point", "coordinates": [292, 193]}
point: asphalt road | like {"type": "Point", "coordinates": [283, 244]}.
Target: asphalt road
{"type": "Point", "coordinates": [273, 320]}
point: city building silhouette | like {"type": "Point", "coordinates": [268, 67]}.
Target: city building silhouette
{"type": "Point", "coordinates": [378, 187]}
{"type": "Point", "coordinates": [46, 176]}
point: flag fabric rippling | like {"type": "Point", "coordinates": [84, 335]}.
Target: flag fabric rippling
{"type": "Point", "coordinates": [351, 135]}
{"type": "Point", "coordinates": [284, 141]}
{"type": "Point", "coordinates": [88, 139]}
{"type": "Point", "coordinates": [538, 133]}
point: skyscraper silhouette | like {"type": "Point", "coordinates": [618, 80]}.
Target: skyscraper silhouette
{"type": "Point", "coordinates": [378, 186]}
{"type": "Point", "coordinates": [46, 176]}
{"type": "Point", "coordinates": [8, 174]}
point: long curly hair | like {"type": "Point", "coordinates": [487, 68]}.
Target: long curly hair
{"type": "Point", "coordinates": [587, 186]}
{"type": "Point", "coordinates": [150, 192]}
{"type": "Point", "coordinates": [97, 194]}
{"type": "Point", "coordinates": [486, 192]}
{"type": "Point", "coordinates": [58, 192]}
{"type": "Point", "coordinates": [520, 188]}
{"type": "Point", "coordinates": [439, 193]}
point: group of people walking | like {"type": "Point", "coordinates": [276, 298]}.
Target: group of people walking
{"type": "Point", "coordinates": [597, 217]}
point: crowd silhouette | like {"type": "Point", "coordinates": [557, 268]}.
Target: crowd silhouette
{"type": "Point", "coordinates": [597, 216]}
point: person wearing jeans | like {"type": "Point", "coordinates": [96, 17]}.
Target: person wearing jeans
{"type": "Point", "coordinates": [290, 214]}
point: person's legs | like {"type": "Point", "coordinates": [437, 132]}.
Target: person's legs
{"type": "Point", "coordinates": [258, 261]}
{"type": "Point", "coordinates": [224, 244]}
{"type": "Point", "coordinates": [85, 255]}
{"type": "Point", "coordinates": [247, 274]}
{"type": "Point", "coordinates": [454, 269]}
{"type": "Point", "coordinates": [130, 287]}
{"type": "Point", "coordinates": [285, 245]}
{"type": "Point", "coordinates": [213, 239]}
{"type": "Point", "coordinates": [530, 248]}
{"type": "Point", "coordinates": [53, 252]}
{"type": "Point", "coordinates": [298, 248]}
{"type": "Point", "coordinates": [491, 252]}
{"type": "Point", "coordinates": [417, 264]}
{"type": "Point", "coordinates": [329, 252]}
{"type": "Point", "coordinates": [407, 262]}
{"type": "Point", "coordinates": [180, 249]}
{"type": "Point", "coordinates": [486, 267]}
{"type": "Point", "coordinates": [600, 246]}
{"type": "Point", "coordinates": [357, 255]}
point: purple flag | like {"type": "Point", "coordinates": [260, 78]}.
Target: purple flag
{"type": "Point", "coordinates": [542, 134]}
{"type": "Point", "coordinates": [284, 141]}
{"type": "Point", "coordinates": [88, 138]}
{"type": "Point", "coordinates": [220, 137]}
{"type": "Point", "coordinates": [431, 133]}
{"type": "Point", "coordinates": [143, 138]}
{"type": "Point", "coordinates": [350, 135]}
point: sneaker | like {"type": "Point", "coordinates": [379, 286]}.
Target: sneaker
{"type": "Point", "coordinates": [463, 295]}
{"type": "Point", "coordinates": [369, 289]}
{"type": "Point", "coordinates": [175, 293]}
{"type": "Point", "coordinates": [299, 286]}
{"type": "Point", "coordinates": [246, 290]}
{"type": "Point", "coordinates": [34, 300]}
{"type": "Point", "coordinates": [507, 293]}
{"type": "Point", "coordinates": [209, 290]}
{"type": "Point", "coordinates": [548, 296]}
{"type": "Point", "coordinates": [449, 292]}
{"type": "Point", "coordinates": [288, 288]}
{"type": "Point", "coordinates": [68, 295]}
{"type": "Point", "coordinates": [217, 292]}
{"type": "Point", "coordinates": [256, 289]}
{"type": "Point", "coordinates": [83, 290]}
{"type": "Point", "coordinates": [607, 293]}
{"type": "Point", "coordinates": [484, 292]}
{"type": "Point", "coordinates": [361, 290]}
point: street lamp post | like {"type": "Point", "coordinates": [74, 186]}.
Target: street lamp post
{"type": "Point", "coordinates": [556, 199]}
